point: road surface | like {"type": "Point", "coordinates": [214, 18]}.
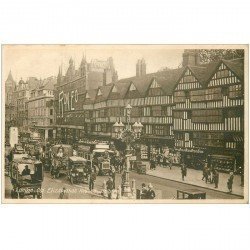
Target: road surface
{"type": "Point", "coordinates": [165, 189]}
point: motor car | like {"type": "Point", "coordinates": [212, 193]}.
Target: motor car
{"type": "Point", "coordinates": [26, 175]}
{"type": "Point", "coordinates": [78, 170]}
{"type": "Point", "coordinates": [190, 194]}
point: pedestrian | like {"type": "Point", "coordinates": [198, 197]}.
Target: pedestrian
{"type": "Point", "coordinates": [150, 192]}
{"type": "Point", "coordinates": [230, 182]}
{"type": "Point", "coordinates": [159, 157]}
{"type": "Point", "coordinates": [204, 172]}
{"type": "Point", "coordinates": [63, 194]}
{"type": "Point", "coordinates": [183, 171]}
{"type": "Point", "coordinates": [152, 164]}
{"type": "Point", "coordinates": [110, 186]}
{"type": "Point", "coordinates": [164, 161]}
{"type": "Point", "coordinates": [241, 172]}
{"type": "Point", "coordinates": [170, 162]}
{"type": "Point", "coordinates": [92, 179]}
{"type": "Point", "coordinates": [216, 178]}
{"type": "Point", "coordinates": [211, 175]}
{"type": "Point", "coordinates": [208, 175]}
{"type": "Point", "coordinates": [113, 173]}
{"type": "Point", "coordinates": [144, 191]}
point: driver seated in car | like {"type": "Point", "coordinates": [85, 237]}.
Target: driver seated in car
{"type": "Point", "coordinates": [60, 153]}
{"type": "Point", "coordinates": [26, 173]}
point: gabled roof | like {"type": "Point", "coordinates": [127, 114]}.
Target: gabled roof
{"type": "Point", "coordinates": [122, 88]}
{"type": "Point", "coordinates": [237, 66]}
{"type": "Point", "coordinates": [168, 79]}
{"type": "Point", "coordinates": [49, 83]}
{"type": "Point", "coordinates": [105, 90]}
{"type": "Point", "coordinates": [92, 95]}
{"type": "Point", "coordinates": [199, 73]}
{"type": "Point", "coordinates": [33, 83]}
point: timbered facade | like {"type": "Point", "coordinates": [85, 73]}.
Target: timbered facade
{"type": "Point", "coordinates": [209, 117]}
{"type": "Point", "coordinates": [197, 110]}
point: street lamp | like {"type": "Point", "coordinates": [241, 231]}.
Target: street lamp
{"type": "Point", "coordinates": [128, 135]}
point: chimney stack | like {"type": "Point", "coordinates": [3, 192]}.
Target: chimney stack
{"type": "Point", "coordinates": [191, 57]}
{"type": "Point", "coordinates": [141, 68]}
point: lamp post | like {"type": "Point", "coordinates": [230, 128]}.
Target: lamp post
{"type": "Point", "coordinates": [127, 134]}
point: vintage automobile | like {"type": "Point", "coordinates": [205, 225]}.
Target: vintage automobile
{"type": "Point", "coordinates": [85, 151]}
{"type": "Point", "coordinates": [34, 147]}
{"type": "Point", "coordinates": [18, 149]}
{"type": "Point", "coordinates": [18, 153]}
{"type": "Point", "coordinates": [190, 194]}
{"type": "Point", "coordinates": [60, 159]}
{"type": "Point", "coordinates": [26, 176]}
{"type": "Point", "coordinates": [101, 159]}
{"type": "Point", "coordinates": [78, 169]}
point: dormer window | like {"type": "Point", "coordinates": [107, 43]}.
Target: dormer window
{"type": "Point", "coordinates": [132, 87]}
{"type": "Point", "coordinates": [99, 92]}
{"type": "Point", "coordinates": [154, 84]}
{"type": "Point", "coordinates": [87, 96]}
{"type": "Point", "coordinates": [114, 90]}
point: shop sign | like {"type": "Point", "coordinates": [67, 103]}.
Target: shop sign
{"type": "Point", "coordinates": [67, 101]}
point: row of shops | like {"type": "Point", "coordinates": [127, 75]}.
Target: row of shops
{"type": "Point", "coordinates": [223, 160]}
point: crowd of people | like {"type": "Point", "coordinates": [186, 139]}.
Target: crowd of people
{"type": "Point", "coordinates": [162, 160]}
{"type": "Point", "coordinates": [118, 162]}
{"type": "Point", "coordinates": [211, 175]}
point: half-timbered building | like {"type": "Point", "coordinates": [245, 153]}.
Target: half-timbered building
{"type": "Point", "coordinates": [208, 115]}
{"type": "Point", "coordinates": [197, 109]}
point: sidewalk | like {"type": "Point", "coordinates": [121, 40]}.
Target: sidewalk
{"type": "Point", "coordinates": [194, 177]}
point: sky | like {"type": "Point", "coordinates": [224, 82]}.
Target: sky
{"type": "Point", "coordinates": [43, 61]}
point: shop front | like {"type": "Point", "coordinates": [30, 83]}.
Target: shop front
{"type": "Point", "coordinates": [192, 158]}
{"type": "Point", "coordinates": [151, 146]}
{"type": "Point", "coordinates": [69, 134]}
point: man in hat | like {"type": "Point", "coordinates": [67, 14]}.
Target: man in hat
{"type": "Point", "coordinates": [113, 173]}
{"type": "Point", "coordinates": [26, 171]}
{"type": "Point", "coordinates": [144, 191]}
{"type": "Point", "coordinates": [183, 170]}
{"type": "Point", "coordinates": [205, 172]}
{"type": "Point", "coordinates": [216, 178]}
{"type": "Point", "coordinates": [110, 186]}
{"type": "Point", "coordinates": [230, 182]}
{"type": "Point", "coordinates": [60, 152]}
{"type": "Point", "coordinates": [92, 179]}
{"type": "Point", "coordinates": [150, 192]}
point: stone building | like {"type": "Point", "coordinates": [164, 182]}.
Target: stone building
{"type": "Point", "coordinates": [40, 107]}
{"type": "Point", "coordinates": [10, 106]}
{"type": "Point", "coordinates": [71, 89]}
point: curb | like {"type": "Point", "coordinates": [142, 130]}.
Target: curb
{"type": "Point", "coordinates": [242, 196]}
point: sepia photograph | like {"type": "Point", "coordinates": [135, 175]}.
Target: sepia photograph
{"type": "Point", "coordinates": [124, 124]}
